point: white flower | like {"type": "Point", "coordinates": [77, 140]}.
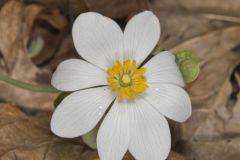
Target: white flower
{"type": "Point", "coordinates": [140, 97]}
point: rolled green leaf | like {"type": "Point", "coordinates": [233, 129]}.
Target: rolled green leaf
{"type": "Point", "coordinates": [35, 47]}
{"type": "Point", "coordinates": [189, 65]}
{"type": "Point", "coordinates": [90, 138]}
{"type": "Point", "coordinates": [190, 70]}
{"type": "Point", "coordinates": [183, 55]}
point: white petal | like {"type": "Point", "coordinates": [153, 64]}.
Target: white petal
{"type": "Point", "coordinates": [113, 135]}
{"type": "Point", "coordinates": [79, 112]}
{"type": "Point", "coordinates": [141, 35]}
{"type": "Point", "coordinates": [163, 69]}
{"type": "Point", "coordinates": [98, 39]}
{"type": "Point", "coordinates": [150, 137]}
{"type": "Point", "coordinates": [170, 100]}
{"type": "Point", "coordinates": [75, 74]}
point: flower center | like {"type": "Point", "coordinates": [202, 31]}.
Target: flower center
{"type": "Point", "coordinates": [127, 79]}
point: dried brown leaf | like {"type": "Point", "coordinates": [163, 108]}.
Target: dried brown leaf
{"type": "Point", "coordinates": [28, 137]}
{"type": "Point", "coordinates": [224, 149]}
{"type": "Point", "coordinates": [116, 8]}
{"type": "Point", "coordinates": [16, 60]}
{"type": "Point", "coordinates": [31, 12]}
{"type": "Point", "coordinates": [217, 49]}
{"type": "Point", "coordinates": [221, 7]}
{"type": "Point", "coordinates": [211, 29]}
{"type": "Point", "coordinates": [178, 25]}
{"type": "Point", "coordinates": [212, 122]}
{"type": "Point", "coordinates": [11, 27]}
{"type": "Point", "coordinates": [51, 26]}
{"type": "Point", "coordinates": [176, 156]}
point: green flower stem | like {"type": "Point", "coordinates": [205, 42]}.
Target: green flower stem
{"type": "Point", "coordinates": [27, 86]}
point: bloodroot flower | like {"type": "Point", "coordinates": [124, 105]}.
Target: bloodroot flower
{"type": "Point", "coordinates": [113, 81]}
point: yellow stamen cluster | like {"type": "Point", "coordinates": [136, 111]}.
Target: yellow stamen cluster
{"type": "Point", "coordinates": [127, 79]}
